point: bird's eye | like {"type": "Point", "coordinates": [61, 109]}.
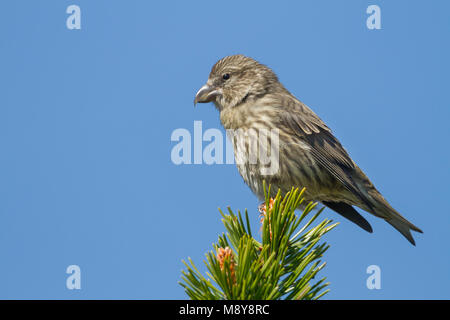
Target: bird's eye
{"type": "Point", "coordinates": [226, 76]}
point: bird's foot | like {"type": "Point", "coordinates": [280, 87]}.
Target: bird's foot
{"type": "Point", "coordinates": [262, 208]}
{"type": "Point", "coordinates": [263, 213]}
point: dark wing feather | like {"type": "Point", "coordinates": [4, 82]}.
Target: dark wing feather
{"type": "Point", "coordinates": [347, 211]}
{"type": "Point", "coordinates": [325, 148]}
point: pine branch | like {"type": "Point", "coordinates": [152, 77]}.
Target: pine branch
{"type": "Point", "coordinates": [282, 266]}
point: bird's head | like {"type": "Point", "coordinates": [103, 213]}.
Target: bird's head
{"type": "Point", "coordinates": [234, 80]}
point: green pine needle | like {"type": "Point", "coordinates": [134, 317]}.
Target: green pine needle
{"type": "Point", "coordinates": [283, 265]}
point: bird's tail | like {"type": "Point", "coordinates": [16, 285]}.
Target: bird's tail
{"type": "Point", "coordinates": [403, 226]}
{"type": "Point", "coordinates": [395, 219]}
{"type": "Point", "coordinates": [375, 203]}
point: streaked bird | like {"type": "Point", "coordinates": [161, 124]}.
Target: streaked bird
{"type": "Point", "coordinates": [249, 97]}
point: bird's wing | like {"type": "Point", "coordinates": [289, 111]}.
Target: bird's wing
{"type": "Point", "coordinates": [325, 148]}
{"type": "Point", "coordinates": [347, 211]}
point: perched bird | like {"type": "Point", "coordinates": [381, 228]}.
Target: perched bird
{"type": "Point", "coordinates": [249, 96]}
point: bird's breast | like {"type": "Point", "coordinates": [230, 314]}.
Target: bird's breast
{"type": "Point", "coordinates": [264, 151]}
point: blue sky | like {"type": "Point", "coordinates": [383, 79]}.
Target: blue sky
{"type": "Point", "coordinates": [86, 117]}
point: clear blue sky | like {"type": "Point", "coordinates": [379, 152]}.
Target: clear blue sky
{"type": "Point", "coordinates": [86, 117]}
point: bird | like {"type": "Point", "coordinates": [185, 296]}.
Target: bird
{"type": "Point", "coordinates": [250, 98]}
